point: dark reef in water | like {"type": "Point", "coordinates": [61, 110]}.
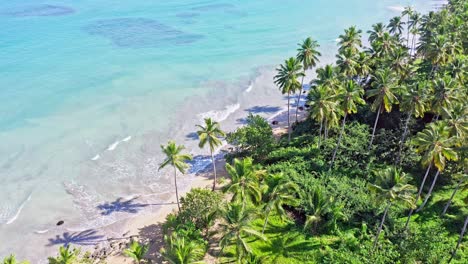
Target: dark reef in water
{"type": "Point", "coordinates": [40, 10]}
{"type": "Point", "coordinates": [140, 33]}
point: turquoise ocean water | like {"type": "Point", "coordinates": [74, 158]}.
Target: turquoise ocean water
{"type": "Point", "coordinates": [90, 89]}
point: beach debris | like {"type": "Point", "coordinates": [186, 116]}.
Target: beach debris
{"type": "Point", "coordinates": [61, 222]}
{"type": "Point", "coordinates": [275, 122]}
{"type": "Point", "coordinates": [301, 108]}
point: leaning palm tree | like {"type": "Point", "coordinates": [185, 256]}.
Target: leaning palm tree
{"type": "Point", "coordinates": [391, 187]}
{"type": "Point", "coordinates": [179, 250]}
{"type": "Point", "coordinates": [308, 56]}
{"type": "Point", "coordinates": [408, 12]}
{"type": "Point", "coordinates": [413, 103]}
{"type": "Point", "coordinates": [210, 134]}
{"type": "Point", "coordinates": [12, 260]}
{"type": "Point", "coordinates": [177, 160]}
{"type": "Point", "coordinates": [280, 192]}
{"type": "Point", "coordinates": [349, 97]}
{"type": "Point", "coordinates": [322, 102]}
{"type": "Point", "coordinates": [461, 183]}
{"type": "Point", "coordinates": [65, 256]}
{"type": "Point", "coordinates": [396, 25]}
{"type": "Point", "coordinates": [136, 251]}
{"type": "Point", "coordinates": [383, 89]}
{"type": "Point", "coordinates": [244, 183]}
{"type": "Point", "coordinates": [287, 80]}
{"type": "Point", "coordinates": [435, 143]}
{"type": "Point", "coordinates": [460, 239]}
{"type": "Point", "coordinates": [351, 40]}
{"type": "Point", "coordinates": [236, 228]}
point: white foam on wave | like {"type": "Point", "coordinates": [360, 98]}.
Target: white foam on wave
{"type": "Point", "coordinates": [220, 115]}
{"type": "Point", "coordinates": [42, 231]}
{"type": "Point", "coordinates": [18, 212]}
{"type": "Point", "coordinates": [113, 146]}
{"type": "Point", "coordinates": [249, 89]}
{"type": "Point", "coordinates": [127, 139]}
{"type": "Point", "coordinates": [396, 8]}
{"type": "Point", "coordinates": [96, 157]}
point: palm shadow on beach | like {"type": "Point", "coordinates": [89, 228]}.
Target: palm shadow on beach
{"type": "Point", "coordinates": [85, 238]}
{"type": "Point", "coordinates": [119, 205]}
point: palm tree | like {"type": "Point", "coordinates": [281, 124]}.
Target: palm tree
{"type": "Point", "coordinates": [462, 182]}
{"type": "Point", "coordinates": [396, 25]}
{"type": "Point", "coordinates": [349, 96]}
{"type": "Point", "coordinates": [210, 133]}
{"type": "Point", "coordinates": [179, 250]}
{"type": "Point", "coordinates": [435, 143]}
{"type": "Point", "coordinates": [136, 251]}
{"type": "Point", "coordinates": [235, 229]}
{"type": "Point", "coordinates": [244, 183]}
{"type": "Point", "coordinates": [12, 260]}
{"type": "Point", "coordinates": [408, 12]}
{"type": "Point", "coordinates": [308, 56]}
{"type": "Point", "coordinates": [413, 23]}
{"type": "Point", "coordinates": [391, 187]}
{"type": "Point", "coordinates": [322, 103]}
{"type": "Point", "coordinates": [351, 40]}
{"type": "Point", "coordinates": [383, 89]}
{"type": "Point", "coordinates": [177, 160]}
{"type": "Point", "coordinates": [444, 95]}
{"type": "Point", "coordinates": [318, 208]}
{"type": "Point", "coordinates": [65, 256]}
{"type": "Point", "coordinates": [413, 103]}
{"type": "Point", "coordinates": [347, 62]}
{"type": "Point", "coordinates": [280, 192]}
{"type": "Point", "coordinates": [460, 239]}
{"type": "Point", "coordinates": [327, 77]}
{"type": "Point", "coordinates": [377, 32]}
{"type": "Point", "coordinates": [287, 80]}
{"type": "Point", "coordinates": [457, 120]}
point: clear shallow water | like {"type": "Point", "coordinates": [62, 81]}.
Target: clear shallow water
{"type": "Point", "coordinates": [90, 89]}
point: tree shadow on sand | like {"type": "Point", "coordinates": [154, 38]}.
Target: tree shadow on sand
{"type": "Point", "coordinates": [85, 238]}
{"type": "Point", "coordinates": [129, 206]}
{"type": "Point", "coordinates": [267, 109]}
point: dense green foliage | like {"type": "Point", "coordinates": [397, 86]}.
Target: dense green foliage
{"type": "Point", "coordinates": [376, 174]}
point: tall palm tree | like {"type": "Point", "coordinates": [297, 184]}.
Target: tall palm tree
{"type": "Point", "coordinates": [408, 12]}
{"type": "Point", "coordinates": [349, 97]}
{"type": "Point", "coordinates": [435, 143]}
{"type": "Point", "coordinates": [444, 95]}
{"type": "Point", "coordinates": [377, 32]}
{"type": "Point", "coordinates": [179, 250]}
{"type": "Point", "coordinates": [176, 159]}
{"type": "Point", "coordinates": [308, 55]}
{"type": "Point", "coordinates": [65, 256]}
{"type": "Point", "coordinates": [462, 183]}
{"type": "Point", "coordinates": [12, 260]}
{"type": "Point", "coordinates": [287, 80]}
{"type": "Point", "coordinates": [413, 27]}
{"type": "Point", "coordinates": [396, 25]}
{"type": "Point", "coordinates": [351, 40]}
{"type": "Point", "coordinates": [383, 90]}
{"type": "Point", "coordinates": [327, 77]}
{"type": "Point", "coordinates": [280, 192]}
{"type": "Point", "coordinates": [244, 183]}
{"type": "Point", "coordinates": [136, 251]}
{"type": "Point", "coordinates": [391, 187]}
{"type": "Point", "coordinates": [413, 103]}
{"type": "Point", "coordinates": [347, 62]}
{"type": "Point", "coordinates": [322, 103]}
{"type": "Point", "coordinates": [210, 134]}
{"type": "Point", "coordinates": [236, 228]}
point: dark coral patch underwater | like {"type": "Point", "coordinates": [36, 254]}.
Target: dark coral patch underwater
{"type": "Point", "coordinates": [140, 33]}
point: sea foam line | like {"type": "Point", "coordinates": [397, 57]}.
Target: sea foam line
{"type": "Point", "coordinates": [13, 219]}
{"type": "Point", "coordinates": [220, 115]}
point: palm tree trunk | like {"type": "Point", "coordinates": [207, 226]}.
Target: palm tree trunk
{"type": "Point", "coordinates": [413, 52]}
{"type": "Point", "coordinates": [407, 32]}
{"type": "Point", "coordinates": [326, 130]}
{"type": "Point", "coordinates": [266, 220]}
{"type": "Point", "coordinates": [451, 197]}
{"type": "Point", "coordinates": [381, 225]}
{"type": "Point", "coordinates": [299, 98]}
{"type": "Point", "coordinates": [375, 126]}
{"type": "Point", "coordinates": [214, 170]}
{"type": "Point", "coordinates": [289, 121]}
{"type": "Point", "coordinates": [176, 189]}
{"type": "Point", "coordinates": [419, 195]}
{"type": "Point", "coordinates": [462, 233]}
{"type": "Point", "coordinates": [403, 137]}
{"type": "Point", "coordinates": [339, 139]}
{"type": "Point", "coordinates": [430, 192]}
{"type": "Point", "coordinates": [320, 133]}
